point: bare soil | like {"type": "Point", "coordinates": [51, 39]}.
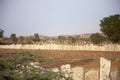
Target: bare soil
{"type": "Point", "coordinates": [86, 59]}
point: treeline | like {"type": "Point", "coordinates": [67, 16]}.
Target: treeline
{"type": "Point", "coordinates": [109, 26]}
{"type": "Point", "coordinates": [95, 38]}
{"type": "Point", "coordinates": [37, 39]}
{"type": "Point", "coordinates": [13, 39]}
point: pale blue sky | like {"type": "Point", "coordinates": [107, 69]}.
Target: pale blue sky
{"type": "Point", "coordinates": [54, 17]}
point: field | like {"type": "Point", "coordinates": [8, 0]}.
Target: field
{"type": "Point", "coordinates": [56, 58]}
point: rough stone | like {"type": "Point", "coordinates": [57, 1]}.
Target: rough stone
{"type": "Point", "coordinates": [78, 73]}
{"type": "Point", "coordinates": [55, 69]}
{"type": "Point", "coordinates": [63, 68]}
{"type": "Point", "coordinates": [114, 75]}
{"type": "Point", "coordinates": [92, 75]}
{"type": "Point", "coordinates": [105, 69]}
{"type": "Point", "coordinates": [66, 68]}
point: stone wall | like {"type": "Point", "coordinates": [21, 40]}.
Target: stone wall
{"type": "Point", "coordinates": [105, 66]}
{"type": "Point", "coordinates": [79, 73]}
{"type": "Point", "coordinates": [92, 75]}
{"type": "Point", "coordinates": [91, 47]}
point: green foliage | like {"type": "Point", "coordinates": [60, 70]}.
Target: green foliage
{"type": "Point", "coordinates": [61, 39]}
{"type": "Point", "coordinates": [71, 40]}
{"type": "Point", "coordinates": [23, 57]}
{"type": "Point", "coordinates": [29, 39]}
{"type": "Point", "coordinates": [1, 36]}
{"type": "Point", "coordinates": [8, 70]}
{"type": "Point", "coordinates": [2, 66]}
{"type": "Point", "coordinates": [13, 38]}
{"type": "Point", "coordinates": [36, 37]}
{"type": "Point", "coordinates": [110, 26]}
{"type": "Point", "coordinates": [38, 74]}
{"type": "Point", "coordinates": [21, 40]}
{"type": "Point", "coordinates": [5, 64]}
{"type": "Point", "coordinates": [97, 38]}
{"type": "Point", "coordinates": [1, 33]}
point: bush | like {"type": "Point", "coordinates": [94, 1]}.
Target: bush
{"type": "Point", "coordinates": [97, 38]}
{"type": "Point", "coordinates": [23, 57]}
{"type": "Point", "coordinates": [8, 70]}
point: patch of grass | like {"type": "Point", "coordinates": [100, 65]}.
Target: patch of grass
{"type": "Point", "coordinates": [8, 70]}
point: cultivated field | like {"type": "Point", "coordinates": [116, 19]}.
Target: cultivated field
{"type": "Point", "coordinates": [56, 58]}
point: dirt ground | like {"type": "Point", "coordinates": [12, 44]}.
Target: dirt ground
{"type": "Point", "coordinates": [86, 59]}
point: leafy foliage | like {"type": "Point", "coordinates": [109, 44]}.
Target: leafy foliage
{"type": "Point", "coordinates": [96, 38]}
{"type": "Point", "coordinates": [71, 39]}
{"type": "Point", "coordinates": [36, 37]}
{"type": "Point", "coordinates": [11, 68]}
{"type": "Point", "coordinates": [13, 37]}
{"type": "Point", "coordinates": [110, 26]}
{"type": "Point", "coordinates": [61, 39]}
{"type": "Point", "coordinates": [23, 57]}
{"type": "Point", "coordinates": [21, 40]}
{"type": "Point", "coordinates": [1, 33]}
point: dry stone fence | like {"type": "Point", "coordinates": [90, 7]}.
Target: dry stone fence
{"type": "Point", "coordinates": [90, 47]}
{"type": "Point", "coordinates": [92, 75]}
{"type": "Point", "coordinates": [105, 69]}
{"type": "Point", "coordinates": [78, 73]}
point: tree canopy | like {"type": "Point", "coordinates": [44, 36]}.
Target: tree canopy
{"type": "Point", "coordinates": [13, 37]}
{"type": "Point", "coordinates": [110, 26]}
{"type": "Point", "coordinates": [96, 38]}
{"type": "Point", "coordinates": [1, 33]}
{"type": "Point", "coordinates": [36, 37]}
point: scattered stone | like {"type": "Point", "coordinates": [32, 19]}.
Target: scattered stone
{"type": "Point", "coordinates": [66, 69]}
{"type": "Point", "coordinates": [35, 64]}
{"type": "Point", "coordinates": [55, 69]}
{"type": "Point", "coordinates": [18, 66]}
{"type": "Point", "coordinates": [76, 73]}
{"type": "Point", "coordinates": [63, 68]}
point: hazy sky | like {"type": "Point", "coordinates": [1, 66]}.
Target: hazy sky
{"type": "Point", "coordinates": [54, 17]}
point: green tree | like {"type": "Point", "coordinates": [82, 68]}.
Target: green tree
{"type": "Point", "coordinates": [36, 37]}
{"type": "Point", "coordinates": [1, 33]}
{"type": "Point", "coordinates": [13, 38]}
{"type": "Point", "coordinates": [21, 39]}
{"type": "Point", "coordinates": [61, 39]}
{"type": "Point", "coordinates": [29, 39]}
{"type": "Point", "coordinates": [1, 36]}
{"type": "Point", "coordinates": [96, 38]}
{"type": "Point", "coordinates": [110, 26]}
{"type": "Point", "coordinates": [71, 40]}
